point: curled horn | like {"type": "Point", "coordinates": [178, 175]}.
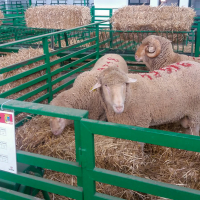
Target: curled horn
{"type": "Point", "coordinates": [157, 46]}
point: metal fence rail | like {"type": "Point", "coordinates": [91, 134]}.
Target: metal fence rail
{"type": "Point", "coordinates": [59, 165]}
{"type": "Point", "coordinates": [169, 139]}
{"type": "Point", "coordinates": [84, 168]}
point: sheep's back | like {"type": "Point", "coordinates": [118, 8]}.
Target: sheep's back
{"type": "Point", "coordinates": [167, 93]}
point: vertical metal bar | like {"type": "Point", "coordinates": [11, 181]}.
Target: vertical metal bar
{"type": "Point", "coordinates": [88, 162]}
{"type": "Point", "coordinates": [197, 40]}
{"type": "Point", "coordinates": [59, 41]}
{"type": "Point", "coordinates": [77, 128]}
{"type": "Point", "coordinates": [66, 39]}
{"type": "Point", "coordinates": [192, 48]}
{"type": "Point", "coordinates": [52, 40]}
{"type": "Point", "coordinates": [111, 32]}
{"type": "Point", "coordinates": [97, 41]}
{"type": "Point", "coordinates": [92, 10]}
{"type": "Point", "coordinates": [48, 69]}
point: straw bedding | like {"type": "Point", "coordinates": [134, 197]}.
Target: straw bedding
{"type": "Point", "coordinates": [146, 18]}
{"type": "Point", "coordinates": [23, 55]}
{"type": "Point", "coordinates": [1, 17]}
{"type": "Point", "coordinates": [157, 163]}
{"type": "Point", "coordinates": [57, 16]}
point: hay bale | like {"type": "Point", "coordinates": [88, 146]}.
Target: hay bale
{"type": "Point", "coordinates": [1, 17]}
{"type": "Point", "coordinates": [24, 55]}
{"type": "Point", "coordinates": [57, 16]}
{"type": "Point", "coordinates": [146, 18]}
{"type": "Point", "coordinates": [157, 163]}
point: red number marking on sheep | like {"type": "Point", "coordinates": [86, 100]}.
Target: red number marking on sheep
{"type": "Point", "coordinates": [168, 69]}
{"type": "Point", "coordinates": [156, 74]}
{"type": "Point", "coordinates": [116, 60]}
{"type": "Point", "coordinates": [184, 64]}
{"type": "Point", "coordinates": [174, 66]}
{"type": "Point", "coordinates": [143, 75]}
{"type": "Point", "coordinates": [109, 62]}
{"type": "Point", "coordinates": [105, 65]}
{"type": "Point", "coordinates": [100, 68]}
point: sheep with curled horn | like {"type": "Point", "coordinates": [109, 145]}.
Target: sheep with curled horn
{"type": "Point", "coordinates": [157, 52]}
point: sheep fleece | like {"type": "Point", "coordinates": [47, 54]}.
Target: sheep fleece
{"type": "Point", "coordinates": [162, 96]}
{"type": "Point", "coordinates": [80, 97]}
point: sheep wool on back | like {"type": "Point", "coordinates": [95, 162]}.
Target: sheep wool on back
{"type": "Point", "coordinates": [162, 96]}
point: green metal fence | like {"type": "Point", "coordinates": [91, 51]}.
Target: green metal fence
{"type": "Point", "coordinates": [84, 167]}
{"type": "Point", "coordinates": [83, 43]}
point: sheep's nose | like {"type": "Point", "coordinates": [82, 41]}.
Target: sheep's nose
{"type": "Point", "coordinates": [119, 109]}
{"type": "Point", "coordinates": [136, 57]}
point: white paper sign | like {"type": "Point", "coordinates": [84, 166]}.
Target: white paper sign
{"type": "Point", "coordinates": [8, 161]}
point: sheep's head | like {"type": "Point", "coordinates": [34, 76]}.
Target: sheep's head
{"type": "Point", "coordinates": [57, 125]}
{"type": "Point", "coordinates": [150, 47]}
{"type": "Point", "coordinates": [113, 82]}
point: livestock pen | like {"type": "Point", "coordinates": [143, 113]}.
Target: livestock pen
{"type": "Point", "coordinates": [77, 50]}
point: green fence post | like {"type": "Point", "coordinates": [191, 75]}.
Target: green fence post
{"type": "Point", "coordinates": [48, 68]}
{"type": "Point", "coordinates": [14, 22]}
{"type": "Point", "coordinates": [88, 162]}
{"type": "Point", "coordinates": [97, 41]}
{"type": "Point", "coordinates": [92, 11]}
{"type": "Point", "coordinates": [77, 127]}
{"type": "Point", "coordinates": [59, 41]}
{"type": "Point", "coordinates": [66, 39]}
{"type": "Point", "coordinates": [111, 33]}
{"type": "Point", "coordinates": [197, 39]}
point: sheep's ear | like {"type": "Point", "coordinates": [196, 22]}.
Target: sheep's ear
{"type": "Point", "coordinates": [97, 85]}
{"type": "Point", "coordinates": [131, 80]}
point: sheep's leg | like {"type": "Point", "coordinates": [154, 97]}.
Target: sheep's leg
{"type": "Point", "coordinates": [184, 122]}
{"type": "Point", "coordinates": [193, 130]}
{"type": "Point", "coordinates": [191, 123]}
{"type": "Point", "coordinates": [142, 145]}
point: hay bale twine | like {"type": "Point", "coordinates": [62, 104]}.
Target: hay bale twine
{"type": "Point", "coordinates": [24, 55]}
{"type": "Point", "coordinates": [1, 17]}
{"type": "Point", "coordinates": [168, 165]}
{"type": "Point", "coordinates": [146, 18]}
{"type": "Point", "coordinates": [57, 16]}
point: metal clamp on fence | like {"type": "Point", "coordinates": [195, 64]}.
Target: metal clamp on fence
{"type": "Point", "coordinates": [5, 103]}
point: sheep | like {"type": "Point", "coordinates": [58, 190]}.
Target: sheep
{"type": "Point", "coordinates": [147, 99]}
{"type": "Point", "coordinates": [157, 52]}
{"type": "Point", "coordinates": [79, 96]}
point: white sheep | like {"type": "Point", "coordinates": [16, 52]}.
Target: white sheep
{"type": "Point", "coordinates": [79, 96]}
{"type": "Point", "coordinates": [147, 99]}
{"type": "Point", "coordinates": [157, 52]}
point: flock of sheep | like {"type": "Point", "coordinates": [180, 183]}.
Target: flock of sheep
{"type": "Point", "coordinates": [169, 93]}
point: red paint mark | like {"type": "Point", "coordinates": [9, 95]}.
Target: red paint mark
{"type": "Point", "coordinates": [143, 75]}
{"type": "Point", "coordinates": [185, 64]}
{"type": "Point", "coordinates": [168, 69]}
{"type": "Point", "coordinates": [193, 58]}
{"type": "Point", "coordinates": [100, 68]}
{"type": "Point", "coordinates": [116, 60]}
{"type": "Point", "coordinates": [109, 62]}
{"type": "Point", "coordinates": [105, 65]}
{"type": "Point", "coordinates": [174, 66]}
{"type": "Point", "coordinates": [156, 74]}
